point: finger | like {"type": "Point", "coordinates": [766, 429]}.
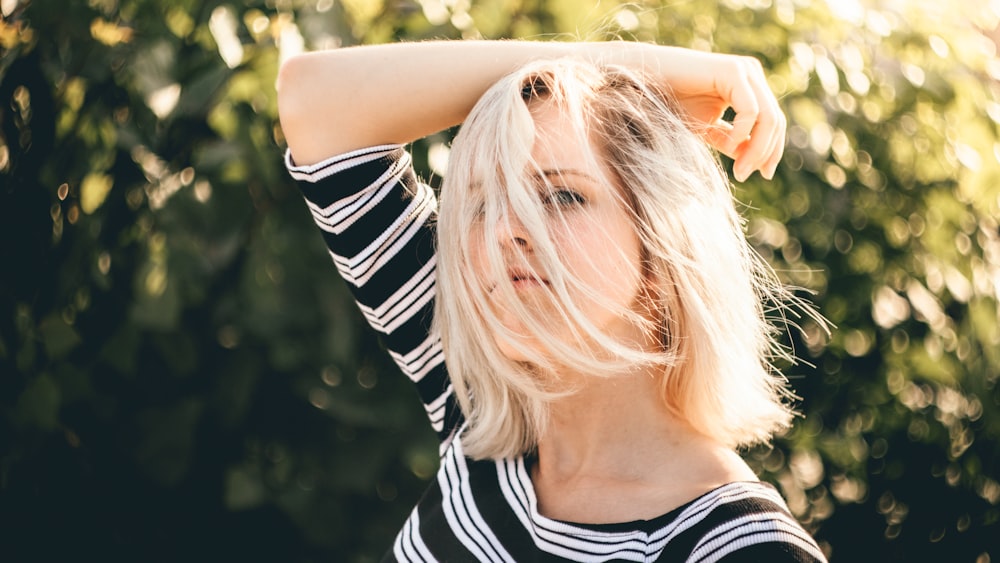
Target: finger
{"type": "Point", "coordinates": [743, 98]}
{"type": "Point", "coordinates": [771, 140]}
{"type": "Point", "coordinates": [718, 137]}
{"type": "Point", "coordinates": [777, 151]}
{"type": "Point", "coordinates": [756, 152]}
{"type": "Point", "coordinates": [776, 148]}
{"type": "Point", "coordinates": [766, 138]}
{"type": "Point", "coordinates": [767, 160]}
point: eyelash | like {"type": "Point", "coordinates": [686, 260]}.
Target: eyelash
{"type": "Point", "coordinates": [558, 197]}
{"type": "Point", "coordinates": [563, 197]}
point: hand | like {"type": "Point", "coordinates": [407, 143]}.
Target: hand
{"type": "Point", "coordinates": [706, 84]}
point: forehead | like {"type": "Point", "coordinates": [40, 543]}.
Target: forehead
{"type": "Point", "coordinates": [562, 144]}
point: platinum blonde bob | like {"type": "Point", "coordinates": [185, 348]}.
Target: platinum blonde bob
{"type": "Point", "coordinates": [709, 299]}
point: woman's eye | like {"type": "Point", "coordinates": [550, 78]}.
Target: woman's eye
{"type": "Point", "coordinates": [564, 197]}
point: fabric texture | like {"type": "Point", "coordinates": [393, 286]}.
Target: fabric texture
{"type": "Point", "coordinates": [377, 221]}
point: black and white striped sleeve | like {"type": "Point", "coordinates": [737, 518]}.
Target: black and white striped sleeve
{"type": "Point", "coordinates": [747, 522]}
{"type": "Point", "coordinates": [377, 221]}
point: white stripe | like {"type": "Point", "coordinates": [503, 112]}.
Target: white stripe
{"type": "Point", "coordinates": [437, 418]}
{"type": "Point", "coordinates": [409, 545]}
{"type": "Point", "coordinates": [433, 341]}
{"type": "Point", "coordinates": [398, 309]}
{"type": "Point", "coordinates": [418, 362]}
{"type": "Point", "coordinates": [460, 510]}
{"type": "Point", "coordinates": [406, 302]}
{"type": "Point", "coordinates": [702, 507]}
{"type": "Point", "coordinates": [324, 168]}
{"type": "Point", "coordinates": [414, 290]}
{"type": "Point", "coordinates": [343, 213]}
{"type": "Point", "coordinates": [361, 267]}
{"type": "Point", "coordinates": [435, 414]}
{"type": "Point", "coordinates": [432, 363]}
{"type": "Point", "coordinates": [750, 530]}
{"type": "Point", "coordinates": [436, 409]}
{"type": "Point", "coordinates": [438, 427]}
{"type": "Point", "coordinates": [417, 209]}
{"type": "Point", "coordinates": [563, 539]}
{"type": "Point", "coordinates": [551, 536]}
{"type": "Point", "coordinates": [568, 537]}
{"type": "Point", "coordinates": [445, 444]}
{"type": "Point", "coordinates": [449, 497]}
{"type": "Point", "coordinates": [774, 536]}
{"type": "Point", "coordinates": [442, 398]}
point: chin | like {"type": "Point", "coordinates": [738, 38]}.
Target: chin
{"type": "Point", "coordinates": [509, 351]}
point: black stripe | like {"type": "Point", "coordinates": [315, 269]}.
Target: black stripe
{"type": "Point", "coordinates": [720, 513]}
{"type": "Point", "coordinates": [714, 511]}
{"type": "Point", "coordinates": [429, 357]}
{"type": "Point", "coordinates": [509, 474]}
{"type": "Point", "coordinates": [498, 515]}
{"type": "Point", "coordinates": [468, 506]}
{"type": "Point", "coordinates": [353, 242]}
{"type": "Point", "coordinates": [422, 287]}
{"type": "Point", "coordinates": [403, 265]}
{"type": "Point", "coordinates": [772, 551]}
{"type": "Point", "coordinates": [346, 182]}
{"type": "Point", "coordinates": [750, 532]}
{"type": "Point", "coordinates": [435, 529]}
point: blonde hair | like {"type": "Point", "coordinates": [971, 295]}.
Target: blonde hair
{"type": "Point", "coordinates": [709, 294]}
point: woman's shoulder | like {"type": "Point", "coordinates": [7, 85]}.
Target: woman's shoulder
{"type": "Point", "coordinates": [741, 496]}
{"type": "Point", "coordinates": [746, 521]}
{"type": "Point", "coordinates": [737, 521]}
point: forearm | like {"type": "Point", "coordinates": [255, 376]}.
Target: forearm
{"type": "Point", "coordinates": [334, 101]}
{"type": "Point", "coordinates": [331, 102]}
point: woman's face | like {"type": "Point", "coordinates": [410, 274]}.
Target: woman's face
{"type": "Point", "coordinates": [594, 237]}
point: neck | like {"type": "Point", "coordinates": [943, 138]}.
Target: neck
{"type": "Point", "coordinates": [612, 452]}
{"type": "Point", "coordinates": [612, 427]}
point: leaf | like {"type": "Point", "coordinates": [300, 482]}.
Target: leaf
{"type": "Point", "coordinates": [167, 435]}
{"type": "Point", "coordinates": [94, 190]}
{"type": "Point", "coordinates": [38, 405]}
{"type": "Point", "coordinates": [58, 337]}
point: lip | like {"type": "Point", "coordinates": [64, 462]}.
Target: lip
{"type": "Point", "coordinates": [523, 279]}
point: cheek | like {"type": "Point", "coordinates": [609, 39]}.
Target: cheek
{"type": "Point", "coordinates": [607, 260]}
{"type": "Point", "coordinates": [477, 264]}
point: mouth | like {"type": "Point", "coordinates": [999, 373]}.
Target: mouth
{"type": "Point", "coordinates": [524, 278]}
{"type": "Point", "coordinates": [519, 278]}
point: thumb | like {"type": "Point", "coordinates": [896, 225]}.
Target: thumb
{"type": "Point", "coordinates": [720, 137]}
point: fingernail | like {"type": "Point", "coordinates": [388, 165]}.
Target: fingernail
{"type": "Point", "coordinates": [739, 174]}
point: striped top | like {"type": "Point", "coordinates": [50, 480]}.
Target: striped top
{"type": "Point", "coordinates": [377, 221]}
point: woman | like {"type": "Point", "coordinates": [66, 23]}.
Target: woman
{"type": "Point", "coordinates": [599, 347]}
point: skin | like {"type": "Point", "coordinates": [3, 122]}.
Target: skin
{"type": "Point", "coordinates": [595, 237]}
{"type": "Point", "coordinates": [321, 116]}
{"type": "Point", "coordinates": [612, 452]}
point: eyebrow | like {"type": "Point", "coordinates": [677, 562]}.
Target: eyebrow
{"type": "Point", "coordinates": [565, 172]}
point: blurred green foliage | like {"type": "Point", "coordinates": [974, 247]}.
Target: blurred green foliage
{"type": "Point", "coordinates": [183, 376]}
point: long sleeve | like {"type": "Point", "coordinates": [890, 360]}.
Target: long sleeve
{"type": "Point", "coordinates": [377, 221]}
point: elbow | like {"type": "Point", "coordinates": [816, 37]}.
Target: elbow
{"type": "Point", "coordinates": [311, 105]}
{"type": "Point", "coordinates": [298, 105]}
{"type": "Point", "coordinates": [290, 96]}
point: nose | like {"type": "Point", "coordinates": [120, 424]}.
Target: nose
{"type": "Point", "coordinates": [512, 234]}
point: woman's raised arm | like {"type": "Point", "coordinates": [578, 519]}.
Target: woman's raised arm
{"type": "Point", "coordinates": [334, 101]}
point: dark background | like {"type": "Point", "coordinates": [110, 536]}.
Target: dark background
{"type": "Point", "coordinates": [183, 375]}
